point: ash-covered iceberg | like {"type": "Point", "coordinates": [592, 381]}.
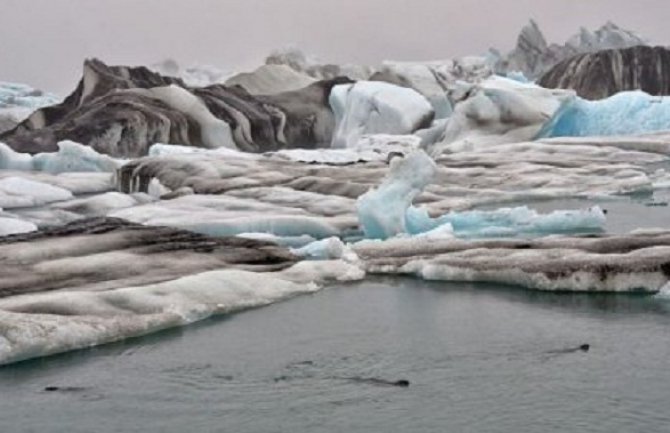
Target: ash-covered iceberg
{"type": "Point", "coordinates": [605, 73]}
{"type": "Point", "coordinates": [626, 113]}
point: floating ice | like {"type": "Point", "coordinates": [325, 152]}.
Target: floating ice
{"type": "Point", "coordinates": [387, 211]}
{"type": "Point", "coordinates": [382, 210]}
{"type": "Point", "coordinates": [422, 77]}
{"type": "Point", "coordinates": [229, 216]}
{"type": "Point", "coordinates": [625, 263]}
{"type": "Point", "coordinates": [10, 226]}
{"type": "Point", "coordinates": [498, 110]}
{"type": "Point", "coordinates": [507, 222]}
{"type": "Point", "coordinates": [49, 323]}
{"type": "Point", "coordinates": [376, 147]}
{"type": "Point", "coordinates": [194, 76]}
{"type": "Point", "coordinates": [331, 248]}
{"type": "Point", "coordinates": [370, 107]}
{"type": "Point", "coordinates": [626, 113]}
{"type": "Point", "coordinates": [19, 192]}
{"type": "Point", "coordinates": [214, 131]}
{"type": "Point", "coordinates": [271, 79]}
{"type": "Point", "coordinates": [71, 157]}
{"type": "Point", "coordinates": [22, 95]}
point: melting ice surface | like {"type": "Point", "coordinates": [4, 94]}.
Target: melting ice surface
{"type": "Point", "coordinates": [507, 222]}
{"type": "Point", "coordinates": [625, 113]}
{"type": "Point", "coordinates": [387, 211]}
{"type": "Point", "coordinates": [71, 157]}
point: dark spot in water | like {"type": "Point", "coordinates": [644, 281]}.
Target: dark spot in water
{"type": "Point", "coordinates": [402, 383]}
{"type": "Point", "coordinates": [582, 348]}
{"type": "Point", "coordinates": [52, 388]}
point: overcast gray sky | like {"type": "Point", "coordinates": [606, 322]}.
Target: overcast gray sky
{"type": "Point", "coordinates": [43, 42]}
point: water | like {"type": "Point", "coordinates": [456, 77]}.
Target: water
{"type": "Point", "coordinates": [480, 358]}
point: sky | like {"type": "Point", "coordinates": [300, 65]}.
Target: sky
{"type": "Point", "coordinates": [44, 42]}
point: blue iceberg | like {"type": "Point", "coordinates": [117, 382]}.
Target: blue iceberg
{"type": "Point", "coordinates": [387, 211]}
{"type": "Point", "coordinates": [626, 113]}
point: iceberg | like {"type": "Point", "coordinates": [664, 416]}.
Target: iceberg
{"type": "Point", "coordinates": [507, 222]}
{"type": "Point", "coordinates": [10, 226]}
{"type": "Point", "coordinates": [624, 263]}
{"type": "Point", "coordinates": [22, 95]}
{"type": "Point", "coordinates": [368, 107]}
{"type": "Point", "coordinates": [387, 211]}
{"type": "Point", "coordinates": [382, 211]}
{"type": "Point", "coordinates": [626, 113]}
{"type": "Point", "coordinates": [18, 192]}
{"type": "Point", "coordinates": [49, 323]}
{"type": "Point", "coordinates": [496, 111]}
{"type": "Point", "coordinates": [71, 157]}
{"type": "Point", "coordinates": [271, 79]}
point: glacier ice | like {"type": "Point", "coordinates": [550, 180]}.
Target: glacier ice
{"type": "Point", "coordinates": [22, 95]}
{"type": "Point", "coordinates": [271, 79]}
{"type": "Point", "coordinates": [330, 248]}
{"type": "Point", "coordinates": [194, 76]}
{"type": "Point", "coordinates": [375, 147]}
{"type": "Point", "coordinates": [88, 318]}
{"type": "Point", "coordinates": [71, 157]}
{"type": "Point", "coordinates": [214, 131]}
{"type": "Point", "coordinates": [622, 263]}
{"type": "Point", "coordinates": [19, 192]}
{"type": "Point", "coordinates": [507, 221]}
{"type": "Point", "coordinates": [382, 211]}
{"type": "Point", "coordinates": [497, 110]}
{"type": "Point", "coordinates": [387, 211]}
{"type": "Point", "coordinates": [368, 107]}
{"type": "Point", "coordinates": [626, 113]}
{"type": "Point", "coordinates": [10, 226]}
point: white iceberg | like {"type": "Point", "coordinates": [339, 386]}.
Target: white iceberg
{"type": "Point", "coordinates": [71, 157]}
{"type": "Point", "coordinates": [375, 107]}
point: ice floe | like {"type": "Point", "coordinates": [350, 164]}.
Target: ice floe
{"type": "Point", "coordinates": [49, 323]}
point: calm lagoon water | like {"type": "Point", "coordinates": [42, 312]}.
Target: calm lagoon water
{"type": "Point", "coordinates": [480, 358]}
